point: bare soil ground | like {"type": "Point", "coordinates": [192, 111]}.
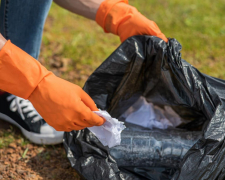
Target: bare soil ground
{"type": "Point", "coordinates": [22, 160]}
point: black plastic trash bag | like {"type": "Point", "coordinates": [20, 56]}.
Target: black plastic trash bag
{"type": "Point", "coordinates": [147, 66]}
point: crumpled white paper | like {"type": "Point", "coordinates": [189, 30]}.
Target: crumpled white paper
{"type": "Point", "coordinates": [148, 115]}
{"type": "Point", "coordinates": [109, 134]}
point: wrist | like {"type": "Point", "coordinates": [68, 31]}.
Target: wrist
{"type": "Point", "coordinates": [102, 15]}
{"type": "Point", "coordinates": [2, 41]}
{"type": "Point", "coordinates": [20, 72]}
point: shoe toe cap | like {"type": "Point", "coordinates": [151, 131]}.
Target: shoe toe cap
{"type": "Point", "coordinates": [47, 129]}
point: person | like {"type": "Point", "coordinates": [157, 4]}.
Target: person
{"type": "Point", "coordinates": [33, 98]}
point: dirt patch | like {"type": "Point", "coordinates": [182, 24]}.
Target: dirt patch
{"type": "Point", "coordinates": [23, 160]}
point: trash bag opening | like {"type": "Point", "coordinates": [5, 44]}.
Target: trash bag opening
{"type": "Point", "coordinates": [151, 138]}
{"type": "Point", "coordinates": [150, 116]}
{"type": "Point", "coordinates": [147, 66]}
{"type": "Point", "coordinates": [141, 111]}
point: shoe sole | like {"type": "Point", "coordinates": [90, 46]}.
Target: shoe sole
{"type": "Point", "coordinates": [44, 139]}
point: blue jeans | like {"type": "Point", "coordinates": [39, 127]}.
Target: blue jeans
{"type": "Point", "coordinates": [22, 22]}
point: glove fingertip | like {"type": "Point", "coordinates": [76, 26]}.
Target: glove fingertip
{"type": "Point", "coordinates": [163, 37]}
{"type": "Point", "coordinates": [100, 122]}
{"type": "Point", "coordinates": [166, 40]}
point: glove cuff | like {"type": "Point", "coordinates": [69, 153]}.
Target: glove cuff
{"type": "Point", "coordinates": [20, 72]}
{"type": "Point", "coordinates": [104, 10]}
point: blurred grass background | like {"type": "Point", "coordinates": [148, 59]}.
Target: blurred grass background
{"type": "Point", "coordinates": [73, 47]}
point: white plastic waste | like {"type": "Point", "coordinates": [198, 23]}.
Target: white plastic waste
{"type": "Point", "coordinates": [147, 115]}
{"type": "Point", "coordinates": [140, 113]}
{"type": "Point", "coordinates": [109, 134]}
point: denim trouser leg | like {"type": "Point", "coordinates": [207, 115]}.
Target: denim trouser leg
{"type": "Point", "coordinates": [22, 22]}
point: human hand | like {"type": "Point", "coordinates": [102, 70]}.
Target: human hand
{"type": "Point", "coordinates": [119, 18]}
{"type": "Point", "coordinates": [63, 105]}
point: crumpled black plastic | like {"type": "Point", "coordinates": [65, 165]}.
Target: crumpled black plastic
{"type": "Point", "coordinates": [147, 66]}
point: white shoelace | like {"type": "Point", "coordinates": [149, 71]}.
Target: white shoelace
{"type": "Point", "coordinates": [23, 106]}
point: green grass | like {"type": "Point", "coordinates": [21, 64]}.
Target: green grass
{"type": "Point", "coordinates": [6, 138]}
{"type": "Point", "coordinates": [9, 135]}
{"type": "Point", "coordinates": [81, 40]}
{"type": "Point", "coordinates": [24, 153]}
{"type": "Point", "coordinates": [197, 25]}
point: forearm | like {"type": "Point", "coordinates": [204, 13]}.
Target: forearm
{"type": "Point", "coordinates": [86, 8]}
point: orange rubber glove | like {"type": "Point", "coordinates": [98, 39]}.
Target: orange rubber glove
{"type": "Point", "coordinates": [119, 18]}
{"type": "Point", "coordinates": [63, 105]}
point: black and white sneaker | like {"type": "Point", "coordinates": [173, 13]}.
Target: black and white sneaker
{"type": "Point", "coordinates": [22, 114]}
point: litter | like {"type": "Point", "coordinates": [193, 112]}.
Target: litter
{"type": "Point", "coordinates": [147, 66]}
{"type": "Point", "coordinates": [109, 134]}
{"type": "Point", "coordinates": [151, 115]}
